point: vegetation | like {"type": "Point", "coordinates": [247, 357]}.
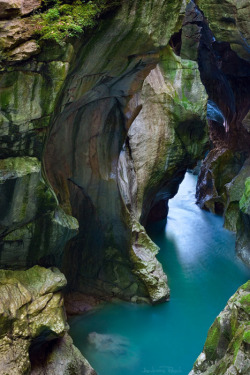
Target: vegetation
{"type": "Point", "coordinates": [59, 20]}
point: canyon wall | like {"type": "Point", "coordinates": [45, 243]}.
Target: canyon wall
{"type": "Point", "coordinates": [91, 101]}
{"type": "Point", "coordinates": [97, 133]}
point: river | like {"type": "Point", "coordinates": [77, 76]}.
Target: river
{"type": "Point", "coordinates": [198, 255]}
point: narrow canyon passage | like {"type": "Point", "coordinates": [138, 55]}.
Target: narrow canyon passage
{"type": "Point", "coordinates": [198, 256]}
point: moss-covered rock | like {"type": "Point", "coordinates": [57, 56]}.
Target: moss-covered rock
{"type": "Point", "coordinates": [32, 319]}
{"type": "Point", "coordinates": [157, 151]}
{"type": "Point", "coordinates": [243, 225]}
{"type": "Point", "coordinates": [27, 100]}
{"type": "Point", "coordinates": [219, 168]}
{"type": "Point", "coordinates": [10, 8]}
{"type": "Point", "coordinates": [234, 192]}
{"type": "Point", "coordinates": [24, 194]}
{"type": "Point", "coordinates": [226, 350]}
{"type": "Point", "coordinates": [145, 265]}
{"type": "Point", "coordinates": [31, 307]}
{"type": "Point", "coordinates": [245, 199]}
{"type": "Point", "coordinates": [33, 229]}
{"type": "Point", "coordinates": [229, 21]}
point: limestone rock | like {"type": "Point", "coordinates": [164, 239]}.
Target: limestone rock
{"type": "Point", "coordinates": [229, 21]}
{"type": "Point", "coordinates": [191, 32]}
{"type": "Point", "coordinates": [27, 100]}
{"type": "Point", "coordinates": [23, 193]}
{"type": "Point", "coordinates": [235, 190]}
{"type": "Point", "coordinates": [61, 357]}
{"type": "Point", "coordinates": [147, 179]}
{"type": "Point", "coordinates": [218, 169]}
{"type": "Point", "coordinates": [226, 350]}
{"type": "Point", "coordinates": [29, 6]}
{"type": "Point", "coordinates": [13, 8]}
{"type": "Point", "coordinates": [31, 307]}
{"type": "Point", "coordinates": [32, 227]}
{"type": "Point", "coordinates": [24, 51]}
{"type": "Point", "coordinates": [9, 8]}
{"type": "Point", "coordinates": [145, 265]}
{"type": "Point", "coordinates": [15, 32]}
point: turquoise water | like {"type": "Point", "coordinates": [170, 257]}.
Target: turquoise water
{"type": "Point", "coordinates": [203, 271]}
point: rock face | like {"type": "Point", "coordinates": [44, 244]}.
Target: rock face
{"type": "Point", "coordinates": [32, 314]}
{"type": "Point", "coordinates": [215, 181]}
{"type": "Point", "coordinates": [243, 225]}
{"type": "Point", "coordinates": [33, 228]}
{"type": "Point", "coordinates": [226, 350]}
{"type": "Point", "coordinates": [60, 357]}
{"type": "Point", "coordinates": [225, 71]}
{"type": "Point", "coordinates": [13, 8]}
{"type": "Point", "coordinates": [229, 21]}
{"type": "Point", "coordinates": [118, 163]}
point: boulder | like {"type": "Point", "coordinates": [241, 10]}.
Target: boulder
{"type": "Point", "coordinates": [218, 169]}
{"type": "Point", "coordinates": [24, 51]}
{"type": "Point", "coordinates": [31, 308]}
{"type": "Point", "coordinates": [14, 8]}
{"type": "Point", "coordinates": [60, 357]}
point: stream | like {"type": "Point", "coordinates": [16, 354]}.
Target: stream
{"type": "Point", "coordinates": [198, 255]}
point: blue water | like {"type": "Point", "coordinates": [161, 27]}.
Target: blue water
{"type": "Point", "coordinates": [199, 258]}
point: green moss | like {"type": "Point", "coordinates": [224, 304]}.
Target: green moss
{"type": "Point", "coordinates": [245, 302]}
{"type": "Point", "coordinates": [245, 200]}
{"type": "Point", "coordinates": [17, 167]}
{"type": "Point", "coordinates": [212, 341]}
{"type": "Point", "coordinates": [246, 286]}
{"type": "Point", "coordinates": [69, 20]}
{"type": "Point", "coordinates": [246, 336]}
{"type": "Point", "coordinates": [234, 324]}
{"type": "Point", "coordinates": [221, 369]}
{"type": "Point", "coordinates": [236, 343]}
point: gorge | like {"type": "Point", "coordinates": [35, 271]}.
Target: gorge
{"type": "Point", "coordinates": [98, 128]}
{"type": "Point", "coordinates": [203, 273]}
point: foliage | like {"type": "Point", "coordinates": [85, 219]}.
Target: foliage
{"type": "Point", "coordinates": [245, 200]}
{"type": "Point", "coordinates": [60, 20]}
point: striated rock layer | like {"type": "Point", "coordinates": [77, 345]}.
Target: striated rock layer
{"type": "Point", "coordinates": [227, 347]}
{"type": "Point", "coordinates": [32, 318]}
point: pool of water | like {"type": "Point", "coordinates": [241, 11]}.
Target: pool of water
{"type": "Point", "coordinates": [199, 258]}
